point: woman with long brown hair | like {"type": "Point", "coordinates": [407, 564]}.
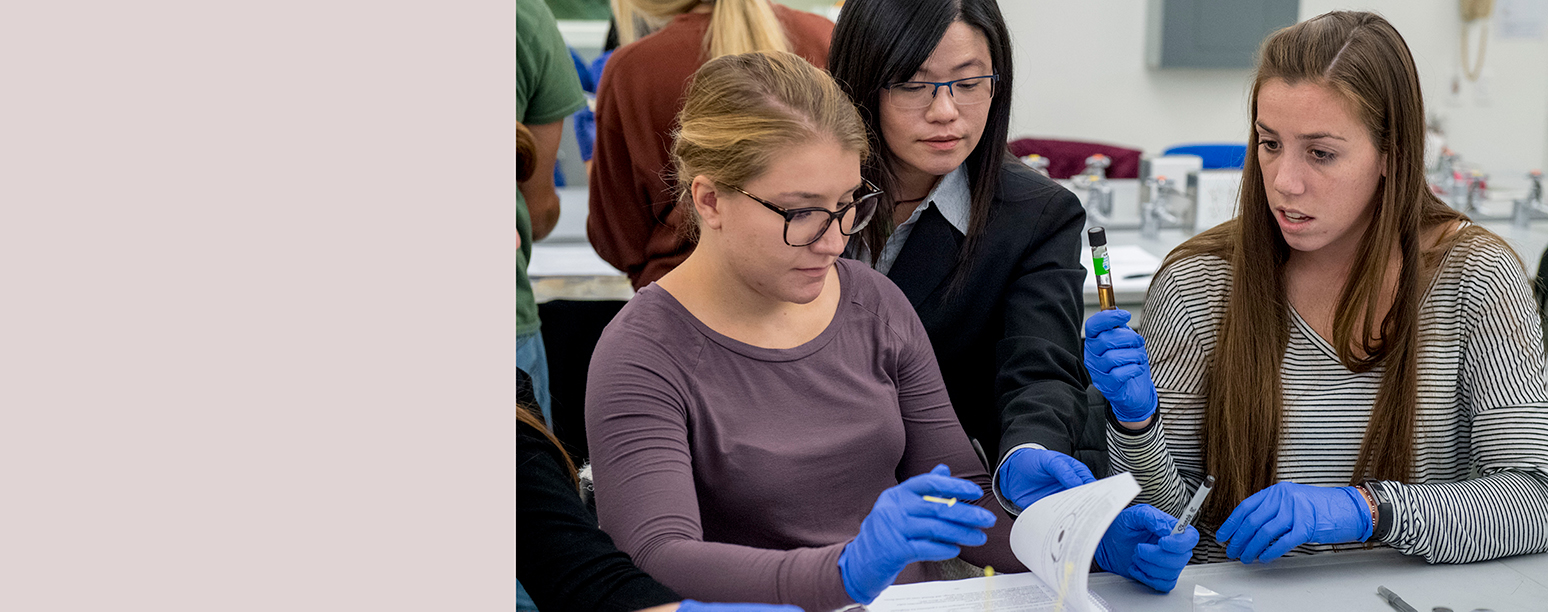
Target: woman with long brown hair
{"type": "Point", "coordinates": [1351, 359]}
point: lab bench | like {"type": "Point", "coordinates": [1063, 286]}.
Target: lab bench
{"type": "Point", "coordinates": [578, 293]}
{"type": "Point", "coordinates": [564, 266]}
{"type": "Point", "coordinates": [1347, 581]}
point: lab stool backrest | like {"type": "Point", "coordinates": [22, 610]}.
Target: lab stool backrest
{"type": "Point", "coordinates": [1228, 156]}
{"type": "Point", "coordinates": [1067, 158]}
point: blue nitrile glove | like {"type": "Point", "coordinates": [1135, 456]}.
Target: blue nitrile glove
{"type": "Point", "coordinates": [1288, 515]}
{"type": "Point", "coordinates": [903, 528]}
{"type": "Point", "coordinates": [1119, 367]}
{"type": "Point", "coordinates": [1030, 474]}
{"type": "Point", "coordinates": [1140, 546]}
{"type": "Point", "coordinates": [690, 605]}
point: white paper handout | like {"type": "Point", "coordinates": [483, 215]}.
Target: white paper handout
{"type": "Point", "coordinates": [1055, 538]}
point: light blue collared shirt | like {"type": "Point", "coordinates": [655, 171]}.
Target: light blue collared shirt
{"type": "Point", "coordinates": [951, 196]}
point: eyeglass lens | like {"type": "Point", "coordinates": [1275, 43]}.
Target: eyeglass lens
{"type": "Point", "coordinates": [976, 90]}
{"type": "Point", "coordinates": [803, 228]}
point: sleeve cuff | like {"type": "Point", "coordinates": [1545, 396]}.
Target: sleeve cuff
{"type": "Point", "coordinates": [1112, 421]}
{"type": "Point", "coordinates": [1386, 515]}
{"type": "Point", "coordinates": [994, 480]}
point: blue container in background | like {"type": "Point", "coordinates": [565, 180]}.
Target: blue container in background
{"type": "Point", "coordinates": [1215, 156]}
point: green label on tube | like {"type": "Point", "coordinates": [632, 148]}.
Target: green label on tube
{"type": "Point", "coordinates": [1100, 264]}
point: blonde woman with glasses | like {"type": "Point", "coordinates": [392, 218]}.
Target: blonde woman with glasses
{"type": "Point", "coordinates": [766, 419]}
{"type": "Point", "coordinates": [635, 223]}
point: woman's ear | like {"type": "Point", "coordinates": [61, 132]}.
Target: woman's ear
{"type": "Point", "coordinates": [706, 201]}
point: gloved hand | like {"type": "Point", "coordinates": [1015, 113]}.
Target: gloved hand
{"type": "Point", "coordinates": [690, 605]}
{"type": "Point", "coordinates": [1030, 474]}
{"type": "Point", "coordinates": [903, 528]}
{"type": "Point", "coordinates": [1140, 545]}
{"type": "Point", "coordinates": [1288, 515]}
{"type": "Point", "coordinates": [1119, 367]}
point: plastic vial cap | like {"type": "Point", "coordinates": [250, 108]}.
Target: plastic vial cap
{"type": "Point", "coordinates": [1097, 236]}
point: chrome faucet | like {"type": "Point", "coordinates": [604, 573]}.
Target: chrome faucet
{"type": "Point", "coordinates": [1476, 183]}
{"type": "Point", "coordinates": [1099, 193]}
{"type": "Point", "coordinates": [1037, 162]}
{"type": "Point", "coordinates": [1448, 178]}
{"type": "Point", "coordinates": [1521, 210]}
{"type": "Point", "coordinates": [1154, 211]}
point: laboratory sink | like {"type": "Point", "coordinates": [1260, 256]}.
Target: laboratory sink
{"type": "Point", "coordinates": [1497, 205]}
{"type": "Point", "coordinates": [1125, 204]}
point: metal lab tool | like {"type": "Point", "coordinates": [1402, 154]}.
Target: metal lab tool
{"type": "Point", "coordinates": [1393, 600]}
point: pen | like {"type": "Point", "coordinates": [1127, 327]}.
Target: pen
{"type": "Point", "coordinates": [1393, 600]}
{"type": "Point", "coordinates": [982, 458]}
{"type": "Point", "coordinates": [1194, 505]}
{"type": "Point", "coordinates": [988, 575]}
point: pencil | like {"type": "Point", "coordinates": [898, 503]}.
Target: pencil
{"type": "Point", "coordinates": [988, 574]}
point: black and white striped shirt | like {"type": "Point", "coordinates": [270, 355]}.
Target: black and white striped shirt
{"type": "Point", "coordinates": [1479, 484]}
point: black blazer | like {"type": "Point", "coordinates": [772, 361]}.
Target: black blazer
{"type": "Point", "coordinates": [1009, 339]}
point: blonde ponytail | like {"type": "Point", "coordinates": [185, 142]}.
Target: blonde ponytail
{"type": "Point", "coordinates": [736, 26]}
{"type": "Point", "coordinates": [744, 26]}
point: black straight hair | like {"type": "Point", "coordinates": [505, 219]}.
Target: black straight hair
{"type": "Point", "coordinates": [880, 42]}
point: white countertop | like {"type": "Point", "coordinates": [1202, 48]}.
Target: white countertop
{"type": "Point", "coordinates": [1347, 581]}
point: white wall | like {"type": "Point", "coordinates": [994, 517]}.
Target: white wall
{"type": "Point", "coordinates": [1081, 74]}
{"type": "Point", "coordinates": [1499, 123]}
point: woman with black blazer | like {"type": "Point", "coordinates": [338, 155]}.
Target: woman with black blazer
{"type": "Point", "coordinates": [987, 251]}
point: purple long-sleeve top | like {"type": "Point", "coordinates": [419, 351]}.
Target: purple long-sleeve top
{"type": "Point", "coordinates": [731, 472]}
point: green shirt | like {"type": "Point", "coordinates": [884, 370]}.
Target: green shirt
{"type": "Point", "coordinates": [581, 9]}
{"type": "Point", "coordinates": [547, 90]}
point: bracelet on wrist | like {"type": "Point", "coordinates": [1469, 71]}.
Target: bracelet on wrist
{"type": "Point", "coordinates": [1380, 499]}
{"type": "Point", "coordinates": [1370, 503]}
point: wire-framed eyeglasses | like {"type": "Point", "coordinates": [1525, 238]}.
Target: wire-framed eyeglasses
{"type": "Point", "coordinates": [804, 226]}
{"type": "Point", "coordinates": [921, 94]}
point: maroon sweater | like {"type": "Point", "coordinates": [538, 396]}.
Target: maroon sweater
{"type": "Point", "coordinates": [633, 221]}
{"type": "Point", "coordinates": [731, 472]}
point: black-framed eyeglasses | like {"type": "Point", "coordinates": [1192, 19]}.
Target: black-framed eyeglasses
{"type": "Point", "coordinates": [804, 226]}
{"type": "Point", "coordinates": [921, 94]}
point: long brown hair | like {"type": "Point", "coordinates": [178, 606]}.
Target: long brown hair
{"type": "Point", "coordinates": [1361, 56]}
{"type": "Point", "coordinates": [526, 414]}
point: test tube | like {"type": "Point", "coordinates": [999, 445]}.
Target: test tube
{"type": "Point", "coordinates": [1104, 276]}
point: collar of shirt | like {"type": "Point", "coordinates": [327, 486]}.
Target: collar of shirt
{"type": "Point", "coordinates": [950, 196]}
